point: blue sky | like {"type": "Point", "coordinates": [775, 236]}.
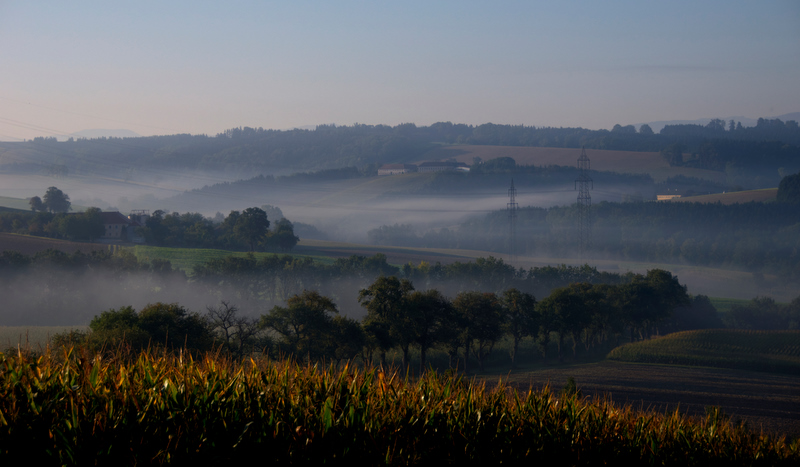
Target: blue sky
{"type": "Point", "coordinates": [203, 67]}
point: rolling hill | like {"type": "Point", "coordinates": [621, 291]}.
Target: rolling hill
{"type": "Point", "coordinates": [603, 160]}
{"type": "Point", "coordinates": [748, 196]}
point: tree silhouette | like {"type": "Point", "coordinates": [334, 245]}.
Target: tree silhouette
{"type": "Point", "coordinates": [252, 227]}
{"type": "Point", "coordinates": [36, 204]}
{"type": "Point", "coordinates": [56, 200]}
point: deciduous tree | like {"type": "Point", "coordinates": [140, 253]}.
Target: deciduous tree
{"type": "Point", "coordinates": [304, 325]}
{"type": "Point", "coordinates": [483, 319]}
{"type": "Point", "coordinates": [386, 301]}
{"type": "Point", "coordinates": [430, 321]}
{"type": "Point", "coordinates": [522, 320]}
{"type": "Point", "coordinates": [56, 200]}
{"type": "Point", "coordinates": [252, 227]}
{"type": "Point", "coordinates": [36, 204]}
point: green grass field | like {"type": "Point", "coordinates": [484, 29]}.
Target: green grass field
{"type": "Point", "coordinates": [724, 305]}
{"type": "Point", "coordinates": [774, 351]}
{"type": "Point", "coordinates": [15, 203]}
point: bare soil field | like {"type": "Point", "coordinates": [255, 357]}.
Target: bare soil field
{"type": "Point", "coordinates": [758, 196]}
{"type": "Point", "coordinates": [29, 245]}
{"type": "Point", "coordinates": [604, 160]}
{"type": "Point", "coordinates": [767, 402]}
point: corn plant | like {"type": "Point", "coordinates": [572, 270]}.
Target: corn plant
{"type": "Point", "coordinates": [76, 407]}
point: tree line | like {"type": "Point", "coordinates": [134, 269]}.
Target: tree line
{"type": "Point", "coordinates": [239, 230]}
{"type": "Point", "coordinates": [771, 142]}
{"type": "Point", "coordinates": [467, 327]}
{"type": "Point", "coordinates": [760, 237]}
{"type": "Point", "coordinates": [245, 230]}
{"type": "Point", "coordinates": [85, 226]}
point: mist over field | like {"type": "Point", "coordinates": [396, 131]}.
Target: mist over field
{"type": "Point", "coordinates": [344, 210]}
{"type": "Point", "coordinates": [326, 182]}
{"type": "Point", "coordinates": [52, 297]}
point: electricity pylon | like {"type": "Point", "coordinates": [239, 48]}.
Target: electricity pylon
{"type": "Point", "coordinates": [583, 184]}
{"type": "Point", "coordinates": [512, 207]}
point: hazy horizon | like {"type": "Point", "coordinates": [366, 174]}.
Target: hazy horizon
{"type": "Point", "coordinates": [155, 68]}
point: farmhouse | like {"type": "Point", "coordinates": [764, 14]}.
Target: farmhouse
{"type": "Point", "coordinates": [119, 227]}
{"type": "Point", "coordinates": [396, 169]}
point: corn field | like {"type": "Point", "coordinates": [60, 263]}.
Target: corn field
{"type": "Point", "coordinates": [74, 407]}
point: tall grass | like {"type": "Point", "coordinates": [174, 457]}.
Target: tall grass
{"type": "Point", "coordinates": [75, 407]}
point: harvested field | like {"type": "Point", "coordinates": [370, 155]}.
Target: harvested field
{"type": "Point", "coordinates": [604, 160]}
{"type": "Point", "coordinates": [765, 401]}
{"type": "Point", "coordinates": [749, 196]}
{"type": "Point", "coordinates": [30, 245]}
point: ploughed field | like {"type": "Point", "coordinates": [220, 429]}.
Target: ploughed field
{"type": "Point", "coordinates": [29, 245]}
{"type": "Point", "coordinates": [768, 402]}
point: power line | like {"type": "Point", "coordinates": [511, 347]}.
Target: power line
{"type": "Point", "coordinates": [512, 208]}
{"type": "Point", "coordinates": [584, 183]}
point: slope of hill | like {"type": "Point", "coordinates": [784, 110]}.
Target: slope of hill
{"type": "Point", "coordinates": [14, 204]}
{"type": "Point", "coordinates": [758, 196]}
{"type": "Point", "coordinates": [651, 163]}
{"type": "Point", "coordinates": [29, 245]}
{"type": "Point", "coordinates": [775, 351]}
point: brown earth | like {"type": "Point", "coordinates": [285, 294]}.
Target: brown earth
{"type": "Point", "coordinates": [766, 402]}
{"type": "Point", "coordinates": [29, 245]}
{"type": "Point", "coordinates": [758, 196]}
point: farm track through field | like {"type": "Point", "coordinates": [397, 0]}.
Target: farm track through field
{"type": "Point", "coordinates": [767, 402]}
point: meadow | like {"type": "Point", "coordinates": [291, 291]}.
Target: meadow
{"type": "Point", "coordinates": [15, 203]}
{"type": "Point", "coordinates": [723, 305]}
{"type": "Point", "coordinates": [775, 351]}
{"type": "Point", "coordinates": [73, 407]}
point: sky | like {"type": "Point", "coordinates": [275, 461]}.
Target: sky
{"type": "Point", "coordinates": [204, 67]}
